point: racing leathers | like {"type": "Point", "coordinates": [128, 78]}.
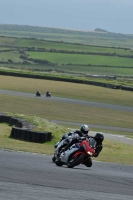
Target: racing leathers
{"type": "Point", "coordinates": [67, 140]}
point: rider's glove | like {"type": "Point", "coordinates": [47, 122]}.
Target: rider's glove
{"type": "Point", "coordinates": [75, 140]}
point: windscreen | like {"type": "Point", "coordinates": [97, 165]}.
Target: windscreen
{"type": "Point", "coordinates": [92, 142]}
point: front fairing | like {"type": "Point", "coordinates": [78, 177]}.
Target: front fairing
{"type": "Point", "coordinates": [65, 155]}
{"type": "Point", "coordinates": [88, 146]}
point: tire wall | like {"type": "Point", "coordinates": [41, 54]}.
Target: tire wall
{"type": "Point", "coordinates": [23, 130]}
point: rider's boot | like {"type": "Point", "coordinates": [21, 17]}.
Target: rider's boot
{"type": "Point", "coordinates": [60, 149]}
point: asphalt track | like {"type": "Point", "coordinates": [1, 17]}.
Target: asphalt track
{"type": "Point", "coordinates": [28, 176]}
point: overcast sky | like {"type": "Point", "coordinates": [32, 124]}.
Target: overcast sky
{"type": "Point", "coordinates": [111, 15]}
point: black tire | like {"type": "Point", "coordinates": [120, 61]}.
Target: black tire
{"type": "Point", "coordinates": [53, 158]}
{"type": "Point", "coordinates": [58, 162]}
{"type": "Point", "coordinates": [88, 163]}
{"type": "Point", "coordinates": [75, 161]}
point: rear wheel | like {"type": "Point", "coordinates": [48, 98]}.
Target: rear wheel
{"type": "Point", "coordinates": [74, 161]}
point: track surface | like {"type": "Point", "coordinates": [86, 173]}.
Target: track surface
{"type": "Point", "coordinates": [34, 176]}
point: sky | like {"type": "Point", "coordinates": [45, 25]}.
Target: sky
{"type": "Point", "coordinates": [85, 15]}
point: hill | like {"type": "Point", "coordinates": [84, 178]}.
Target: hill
{"type": "Point", "coordinates": [101, 30]}
{"type": "Point", "coordinates": [83, 37]}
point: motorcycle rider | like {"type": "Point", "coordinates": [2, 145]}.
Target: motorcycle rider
{"type": "Point", "coordinates": [38, 93]}
{"type": "Point", "coordinates": [83, 132]}
{"type": "Point", "coordinates": [96, 142]}
{"type": "Point", "coordinates": [99, 137]}
{"type": "Point", "coordinates": [71, 138]}
{"type": "Point", "coordinates": [48, 94]}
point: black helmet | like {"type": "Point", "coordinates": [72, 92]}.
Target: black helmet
{"type": "Point", "coordinates": [99, 137]}
{"type": "Point", "coordinates": [84, 129]}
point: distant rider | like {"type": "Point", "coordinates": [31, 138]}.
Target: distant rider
{"type": "Point", "coordinates": [38, 93]}
{"type": "Point", "coordinates": [48, 94]}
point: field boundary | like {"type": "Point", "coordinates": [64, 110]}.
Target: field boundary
{"type": "Point", "coordinates": [72, 80]}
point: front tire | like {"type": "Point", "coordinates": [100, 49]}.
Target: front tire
{"type": "Point", "coordinates": [58, 162]}
{"type": "Point", "coordinates": [53, 158]}
{"type": "Point", "coordinates": [88, 163]}
{"type": "Point", "coordinates": [75, 161]}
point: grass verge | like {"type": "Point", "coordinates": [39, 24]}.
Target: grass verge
{"type": "Point", "coordinates": [54, 110]}
{"type": "Point", "coordinates": [113, 152]}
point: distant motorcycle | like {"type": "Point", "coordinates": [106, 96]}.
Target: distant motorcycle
{"type": "Point", "coordinates": [48, 94]}
{"type": "Point", "coordinates": [38, 94]}
{"type": "Point", "coordinates": [79, 153]}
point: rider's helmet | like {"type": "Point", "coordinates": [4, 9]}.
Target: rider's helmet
{"type": "Point", "coordinates": [84, 129]}
{"type": "Point", "coordinates": [99, 137]}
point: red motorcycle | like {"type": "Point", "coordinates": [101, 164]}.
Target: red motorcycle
{"type": "Point", "coordinates": [79, 153]}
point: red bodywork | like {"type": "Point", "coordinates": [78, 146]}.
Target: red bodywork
{"type": "Point", "coordinates": [86, 148]}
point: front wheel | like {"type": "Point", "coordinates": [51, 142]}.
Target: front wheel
{"type": "Point", "coordinates": [53, 158]}
{"type": "Point", "coordinates": [58, 162]}
{"type": "Point", "coordinates": [88, 163]}
{"type": "Point", "coordinates": [74, 161]}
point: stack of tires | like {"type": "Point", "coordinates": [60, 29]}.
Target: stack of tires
{"type": "Point", "coordinates": [23, 130]}
{"type": "Point", "coordinates": [30, 136]}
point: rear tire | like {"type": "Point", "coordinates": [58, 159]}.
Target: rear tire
{"type": "Point", "coordinates": [75, 161]}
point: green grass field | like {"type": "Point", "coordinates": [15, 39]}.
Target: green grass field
{"type": "Point", "coordinates": [60, 58]}
{"type": "Point", "coordinates": [90, 37]}
{"type": "Point", "coordinates": [77, 71]}
{"type": "Point", "coordinates": [65, 62]}
{"type": "Point", "coordinates": [63, 46]}
{"type": "Point", "coordinates": [4, 56]}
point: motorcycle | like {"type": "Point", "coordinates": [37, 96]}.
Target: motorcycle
{"type": "Point", "coordinates": [38, 94]}
{"type": "Point", "coordinates": [48, 94]}
{"type": "Point", "coordinates": [79, 153]}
